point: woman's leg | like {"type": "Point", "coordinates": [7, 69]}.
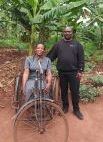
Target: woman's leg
{"type": "Point", "coordinates": [29, 89]}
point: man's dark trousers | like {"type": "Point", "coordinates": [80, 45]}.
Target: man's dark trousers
{"type": "Point", "coordinates": [69, 78]}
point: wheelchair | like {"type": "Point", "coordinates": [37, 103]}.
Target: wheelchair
{"type": "Point", "coordinates": [40, 119]}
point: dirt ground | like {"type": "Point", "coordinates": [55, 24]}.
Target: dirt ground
{"type": "Point", "coordinates": [88, 130]}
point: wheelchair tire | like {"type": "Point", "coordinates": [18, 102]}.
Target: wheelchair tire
{"type": "Point", "coordinates": [46, 124]}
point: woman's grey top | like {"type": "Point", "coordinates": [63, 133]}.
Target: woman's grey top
{"type": "Point", "coordinates": [33, 63]}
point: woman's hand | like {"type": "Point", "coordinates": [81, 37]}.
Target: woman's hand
{"type": "Point", "coordinates": [47, 88]}
{"type": "Point", "coordinates": [23, 90]}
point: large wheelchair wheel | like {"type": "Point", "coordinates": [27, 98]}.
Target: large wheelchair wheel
{"type": "Point", "coordinates": [18, 95]}
{"type": "Point", "coordinates": [56, 91]}
{"type": "Point", "coordinates": [40, 121]}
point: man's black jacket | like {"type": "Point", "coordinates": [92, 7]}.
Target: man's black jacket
{"type": "Point", "coordinates": [69, 54]}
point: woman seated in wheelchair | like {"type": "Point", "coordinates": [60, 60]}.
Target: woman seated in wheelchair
{"type": "Point", "coordinates": [37, 74]}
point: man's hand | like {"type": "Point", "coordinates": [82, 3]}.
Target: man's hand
{"type": "Point", "coordinates": [79, 75]}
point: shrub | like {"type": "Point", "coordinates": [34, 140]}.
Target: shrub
{"type": "Point", "coordinates": [88, 93]}
{"type": "Point", "coordinates": [89, 49]}
{"type": "Point", "coordinates": [96, 80]}
{"type": "Point", "coordinates": [98, 56]}
{"type": "Point", "coordinates": [54, 69]}
{"type": "Point", "coordinates": [13, 43]}
{"type": "Point", "coordinates": [89, 66]}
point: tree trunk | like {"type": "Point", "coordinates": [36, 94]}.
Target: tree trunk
{"type": "Point", "coordinates": [32, 39]}
{"type": "Point", "coordinates": [43, 34]}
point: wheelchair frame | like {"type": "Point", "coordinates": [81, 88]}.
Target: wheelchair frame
{"type": "Point", "coordinates": [42, 109]}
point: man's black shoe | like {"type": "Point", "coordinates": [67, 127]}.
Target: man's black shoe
{"type": "Point", "coordinates": [78, 114]}
{"type": "Point", "coordinates": [65, 110]}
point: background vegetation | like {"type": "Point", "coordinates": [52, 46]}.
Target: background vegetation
{"type": "Point", "coordinates": [23, 23]}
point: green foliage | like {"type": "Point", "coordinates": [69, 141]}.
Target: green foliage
{"type": "Point", "coordinates": [97, 80]}
{"type": "Point", "coordinates": [88, 93]}
{"type": "Point", "coordinates": [52, 40]}
{"type": "Point", "coordinates": [96, 19]}
{"type": "Point", "coordinates": [89, 49]}
{"type": "Point", "coordinates": [88, 34]}
{"type": "Point", "coordinates": [13, 43]}
{"type": "Point", "coordinates": [54, 69]}
{"type": "Point", "coordinates": [98, 56]}
{"type": "Point", "coordinates": [61, 8]}
{"type": "Point", "coordinates": [90, 38]}
{"type": "Point", "coordinates": [37, 15]}
{"type": "Point", "coordinates": [89, 66]}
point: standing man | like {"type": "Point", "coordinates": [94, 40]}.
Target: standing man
{"type": "Point", "coordinates": [70, 65]}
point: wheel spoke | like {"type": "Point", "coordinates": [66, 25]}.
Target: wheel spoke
{"type": "Point", "coordinates": [45, 123]}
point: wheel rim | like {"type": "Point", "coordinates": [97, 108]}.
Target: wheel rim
{"type": "Point", "coordinates": [29, 126]}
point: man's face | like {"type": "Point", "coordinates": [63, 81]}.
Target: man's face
{"type": "Point", "coordinates": [68, 33]}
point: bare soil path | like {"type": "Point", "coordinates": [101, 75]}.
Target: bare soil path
{"type": "Point", "coordinates": [88, 130]}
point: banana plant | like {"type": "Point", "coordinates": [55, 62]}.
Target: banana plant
{"type": "Point", "coordinates": [61, 13]}
{"type": "Point", "coordinates": [27, 10]}
{"type": "Point", "coordinates": [96, 16]}
{"type": "Point", "coordinates": [38, 15]}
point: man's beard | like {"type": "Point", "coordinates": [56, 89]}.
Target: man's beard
{"type": "Point", "coordinates": [68, 38]}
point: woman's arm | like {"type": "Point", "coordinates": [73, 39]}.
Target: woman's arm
{"type": "Point", "coordinates": [48, 80]}
{"type": "Point", "coordinates": [49, 77]}
{"type": "Point", "coordinates": [25, 78]}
